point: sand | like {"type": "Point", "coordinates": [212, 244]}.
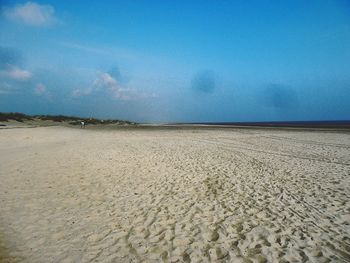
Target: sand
{"type": "Point", "coordinates": [174, 195]}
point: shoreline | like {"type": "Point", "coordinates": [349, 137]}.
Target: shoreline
{"type": "Point", "coordinates": [148, 126]}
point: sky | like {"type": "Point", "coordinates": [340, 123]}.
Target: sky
{"type": "Point", "coordinates": [177, 61]}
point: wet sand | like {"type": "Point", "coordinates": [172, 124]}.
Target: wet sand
{"type": "Point", "coordinates": [174, 195]}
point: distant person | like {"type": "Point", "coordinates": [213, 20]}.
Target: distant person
{"type": "Point", "coordinates": [82, 124]}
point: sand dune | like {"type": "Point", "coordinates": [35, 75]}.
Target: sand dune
{"type": "Point", "coordinates": [174, 195]}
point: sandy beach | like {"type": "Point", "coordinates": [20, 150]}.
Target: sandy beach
{"type": "Point", "coordinates": [174, 195]}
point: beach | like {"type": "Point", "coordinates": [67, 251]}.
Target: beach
{"type": "Point", "coordinates": [194, 194]}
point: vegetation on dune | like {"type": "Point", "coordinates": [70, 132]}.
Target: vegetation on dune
{"type": "Point", "coordinates": [16, 116]}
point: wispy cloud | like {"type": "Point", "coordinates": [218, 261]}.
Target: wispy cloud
{"type": "Point", "coordinates": [82, 92]}
{"type": "Point", "coordinates": [40, 89]}
{"type": "Point", "coordinates": [116, 52]}
{"type": "Point", "coordinates": [10, 61]}
{"type": "Point", "coordinates": [5, 88]}
{"type": "Point", "coordinates": [85, 48]}
{"type": "Point", "coordinates": [15, 73]}
{"type": "Point", "coordinates": [32, 14]}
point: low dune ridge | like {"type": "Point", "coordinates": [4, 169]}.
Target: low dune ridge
{"type": "Point", "coordinates": [174, 195]}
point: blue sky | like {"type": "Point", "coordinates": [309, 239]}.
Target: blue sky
{"type": "Point", "coordinates": [164, 61]}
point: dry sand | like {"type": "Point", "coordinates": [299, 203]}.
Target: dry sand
{"type": "Point", "coordinates": [174, 195]}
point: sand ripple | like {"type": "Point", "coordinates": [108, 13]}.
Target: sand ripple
{"type": "Point", "coordinates": [70, 195]}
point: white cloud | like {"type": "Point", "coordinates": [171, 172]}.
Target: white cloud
{"type": "Point", "coordinates": [105, 81]}
{"type": "Point", "coordinates": [5, 88]}
{"type": "Point", "coordinates": [16, 73]}
{"type": "Point", "coordinates": [32, 14]}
